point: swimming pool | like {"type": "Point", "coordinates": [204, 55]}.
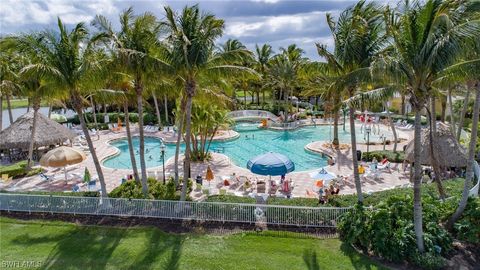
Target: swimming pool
{"type": "Point", "coordinates": [251, 142]}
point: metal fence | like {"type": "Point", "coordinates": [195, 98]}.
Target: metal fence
{"type": "Point", "coordinates": [315, 217]}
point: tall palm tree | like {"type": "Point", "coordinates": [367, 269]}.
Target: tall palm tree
{"type": "Point", "coordinates": [284, 73]}
{"type": "Point", "coordinates": [263, 56]}
{"type": "Point", "coordinates": [8, 77]}
{"type": "Point", "coordinates": [358, 37]}
{"type": "Point", "coordinates": [426, 38]}
{"type": "Point", "coordinates": [191, 35]}
{"type": "Point", "coordinates": [70, 62]}
{"type": "Point", "coordinates": [134, 44]}
{"type": "Point", "coordinates": [471, 159]}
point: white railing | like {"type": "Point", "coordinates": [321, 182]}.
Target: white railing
{"type": "Point", "coordinates": [476, 171]}
{"type": "Point", "coordinates": [252, 114]}
{"type": "Point", "coordinates": [199, 211]}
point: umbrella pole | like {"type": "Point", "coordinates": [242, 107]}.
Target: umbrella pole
{"type": "Point", "coordinates": [65, 170]}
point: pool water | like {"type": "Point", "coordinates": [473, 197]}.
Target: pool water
{"type": "Point", "coordinates": [251, 142]}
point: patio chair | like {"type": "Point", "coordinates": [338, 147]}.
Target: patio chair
{"type": "Point", "coordinates": [261, 187]}
{"type": "Point", "coordinates": [92, 185]}
{"type": "Point", "coordinates": [76, 188]}
{"type": "Point", "coordinates": [43, 176]}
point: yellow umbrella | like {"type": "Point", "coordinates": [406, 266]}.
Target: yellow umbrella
{"type": "Point", "coordinates": [61, 157]}
{"type": "Point", "coordinates": [209, 176]}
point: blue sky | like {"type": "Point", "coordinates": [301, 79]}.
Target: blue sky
{"type": "Point", "coordinates": [276, 22]}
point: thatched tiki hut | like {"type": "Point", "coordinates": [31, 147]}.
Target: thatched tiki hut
{"type": "Point", "coordinates": [447, 150]}
{"type": "Point", "coordinates": [17, 137]}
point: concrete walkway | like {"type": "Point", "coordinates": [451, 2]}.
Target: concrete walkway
{"type": "Point", "coordinates": [303, 184]}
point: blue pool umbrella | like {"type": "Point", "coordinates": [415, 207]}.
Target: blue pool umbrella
{"type": "Point", "coordinates": [271, 164]}
{"type": "Point", "coordinates": [323, 175]}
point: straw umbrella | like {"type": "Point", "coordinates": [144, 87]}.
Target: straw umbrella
{"type": "Point", "coordinates": [61, 157]}
{"type": "Point", "coordinates": [48, 132]}
{"type": "Point", "coordinates": [448, 151]}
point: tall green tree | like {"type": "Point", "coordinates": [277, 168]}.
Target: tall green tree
{"type": "Point", "coordinates": [192, 36]}
{"type": "Point", "coordinates": [358, 36]}
{"type": "Point", "coordinates": [135, 45]}
{"type": "Point", "coordinates": [70, 62]}
{"type": "Point", "coordinates": [426, 38]}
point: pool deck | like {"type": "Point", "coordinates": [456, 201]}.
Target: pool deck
{"type": "Point", "coordinates": [221, 165]}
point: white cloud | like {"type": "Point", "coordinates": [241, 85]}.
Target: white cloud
{"type": "Point", "coordinates": [23, 12]}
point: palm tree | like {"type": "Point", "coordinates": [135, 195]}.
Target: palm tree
{"type": "Point", "coordinates": [8, 78]}
{"type": "Point", "coordinates": [263, 56]}
{"type": "Point", "coordinates": [134, 44]}
{"type": "Point", "coordinates": [358, 37]}
{"type": "Point", "coordinates": [191, 36]}
{"type": "Point", "coordinates": [426, 38]}
{"type": "Point", "coordinates": [471, 159]}
{"type": "Point", "coordinates": [70, 62]}
{"type": "Point", "coordinates": [284, 71]}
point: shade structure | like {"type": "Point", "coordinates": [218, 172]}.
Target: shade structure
{"type": "Point", "coordinates": [448, 152]}
{"type": "Point", "coordinates": [271, 164]}
{"type": "Point", "coordinates": [323, 175]}
{"type": "Point", "coordinates": [48, 132]}
{"type": "Point", "coordinates": [58, 118]}
{"type": "Point", "coordinates": [62, 157]}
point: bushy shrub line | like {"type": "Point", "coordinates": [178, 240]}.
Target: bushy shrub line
{"type": "Point", "coordinates": [156, 190]}
{"type": "Point", "coordinates": [19, 169]}
{"type": "Point", "coordinates": [396, 157]}
{"type": "Point", "coordinates": [387, 231]}
{"type": "Point", "coordinates": [148, 118]}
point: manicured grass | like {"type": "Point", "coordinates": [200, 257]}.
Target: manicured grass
{"type": "Point", "coordinates": [60, 245]}
{"type": "Point", "coordinates": [18, 103]}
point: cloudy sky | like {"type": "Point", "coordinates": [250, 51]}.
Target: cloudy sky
{"type": "Point", "coordinates": [276, 22]}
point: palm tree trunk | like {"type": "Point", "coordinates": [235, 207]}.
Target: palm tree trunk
{"type": "Point", "coordinates": [258, 98]}
{"type": "Point", "coordinates": [471, 157]}
{"type": "Point", "coordinates": [143, 166]}
{"type": "Point", "coordinates": [392, 126]}
{"type": "Point", "coordinates": [335, 141]}
{"type": "Point", "coordinates": [263, 97]}
{"type": "Point", "coordinates": [462, 114]}
{"type": "Point", "coordinates": [165, 101]}
{"type": "Point", "coordinates": [36, 107]}
{"type": "Point", "coordinates": [450, 104]}
{"type": "Point", "coordinates": [443, 100]}
{"type": "Point", "coordinates": [356, 175]}
{"type": "Point", "coordinates": [157, 110]}
{"type": "Point", "coordinates": [130, 143]}
{"type": "Point", "coordinates": [94, 112]}
{"type": "Point", "coordinates": [1, 112]}
{"type": "Point", "coordinates": [9, 107]}
{"type": "Point", "coordinates": [49, 111]}
{"type": "Point", "coordinates": [179, 136]}
{"type": "Point", "coordinates": [417, 182]}
{"type": "Point", "coordinates": [188, 123]}
{"type": "Point", "coordinates": [402, 110]}
{"type": "Point", "coordinates": [433, 156]}
{"type": "Point", "coordinates": [245, 98]}
{"type": "Point", "coordinates": [77, 105]}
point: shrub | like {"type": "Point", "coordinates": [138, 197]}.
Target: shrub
{"type": "Point", "coordinates": [396, 157]}
{"type": "Point", "coordinates": [429, 261]}
{"type": "Point", "coordinates": [468, 227]}
{"type": "Point", "coordinates": [230, 199]}
{"type": "Point", "coordinates": [308, 202]}
{"type": "Point", "coordinates": [19, 169]}
{"type": "Point", "coordinates": [133, 190]}
{"type": "Point", "coordinates": [387, 230]}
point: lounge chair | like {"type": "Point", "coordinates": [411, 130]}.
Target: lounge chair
{"type": "Point", "coordinates": [5, 178]}
{"type": "Point", "coordinates": [43, 176]}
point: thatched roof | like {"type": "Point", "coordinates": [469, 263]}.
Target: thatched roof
{"type": "Point", "coordinates": [48, 132]}
{"type": "Point", "coordinates": [447, 150]}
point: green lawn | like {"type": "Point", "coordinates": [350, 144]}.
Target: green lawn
{"type": "Point", "coordinates": [18, 103]}
{"type": "Point", "coordinates": [61, 245]}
